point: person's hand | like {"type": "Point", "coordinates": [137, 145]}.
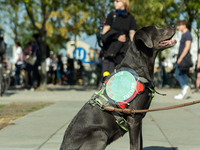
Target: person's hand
{"type": "Point", "coordinates": [122, 38]}
{"type": "Point", "coordinates": [179, 61]}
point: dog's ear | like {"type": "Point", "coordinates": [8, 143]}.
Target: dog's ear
{"type": "Point", "coordinates": [144, 37]}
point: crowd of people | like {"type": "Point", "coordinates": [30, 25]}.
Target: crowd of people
{"type": "Point", "coordinates": [27, 66]}
{"type": "Point", "coordinates": [117, 34]}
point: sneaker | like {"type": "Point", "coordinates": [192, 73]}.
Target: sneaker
{"type": "Point", "coordinates": [17, 86]}
{"type": "Point", "coordinates": [32, 89]}
{"type": "Point", "coordinates": [186, 91]}
{"type": "Point", "coordinates": [179, 96]}
{"type": "Point", "coordinates": [196, 90]}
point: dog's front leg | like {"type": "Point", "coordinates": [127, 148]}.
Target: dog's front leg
{"type": "Point", "coordinates": [135, 132]}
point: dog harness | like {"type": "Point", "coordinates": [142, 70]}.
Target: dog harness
{"type": "Point", "coordinates": [119, 90]}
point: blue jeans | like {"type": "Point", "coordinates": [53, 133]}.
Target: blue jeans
{"type": "Point", "coordinates": [108, 65]}
{"type": "Point", "coordinates": [17, 74]}
{"type": "Point", "coordinates": [181, 77]}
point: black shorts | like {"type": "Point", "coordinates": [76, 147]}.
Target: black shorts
{"type": "Point", "coordinates": [198, 70]}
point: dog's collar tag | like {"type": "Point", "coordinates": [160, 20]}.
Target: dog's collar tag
{"type": "Point", "coordinates": [122, 86]}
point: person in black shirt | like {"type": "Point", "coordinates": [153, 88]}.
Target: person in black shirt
{"type": "Point", "coordinates": [119, 29]}
{"type": "Point", "coordinates": [70, 69]}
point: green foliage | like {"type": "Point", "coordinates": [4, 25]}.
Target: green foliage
{"type": "Point", "coordinates": [13, 16]}
{"type": "Point", "coordinates": [63, 19]}
{"type": "Point", "coordinates": [191, 13]}
{"type": "Point", "coordinates": [154, 12]}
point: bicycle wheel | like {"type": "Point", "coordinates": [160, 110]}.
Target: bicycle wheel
{"type": "Point", "coordinates": [7, 82]}
{"type": "Point", "coordinates": [1, 80]}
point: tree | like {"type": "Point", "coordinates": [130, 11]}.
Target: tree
{"type": "Point", "coordinates": [154, 12]}
{"type": "Point", "coordinates": [14, 17]}
{"type": "Point", "coordinates": [38, 12]}
{"type": "Point", "coordinates": [191, 13]}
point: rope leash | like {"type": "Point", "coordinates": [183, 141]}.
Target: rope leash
{"type": "Point", "coordinates": [131, 111]}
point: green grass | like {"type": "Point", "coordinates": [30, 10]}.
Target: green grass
{"type": "Point", "coordinates": [12, 111]}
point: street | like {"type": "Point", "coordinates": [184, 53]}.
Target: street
{"type": "Point", "coordinates": [176, 129]}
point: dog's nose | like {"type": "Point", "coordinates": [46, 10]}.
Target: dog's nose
{"type": "Point", "coordinates": [173, 26]}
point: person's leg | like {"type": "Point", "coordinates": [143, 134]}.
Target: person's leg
{"type": "Point", "coordinates": [180, 77]}
{"type": "Point", "coordinates": [55, 77]}
{"type": "Point", "coordinates": [198, 82]}
{"type": "Point", "coordinates": [35, 76]}
{"type": "Point", "coordinates": [108, 65]}
{"type": "Point", "coordinates": [185, 78]}
{"type": "Point", "coordinates": [17, 74]}
{"type": "Point", "coordinates": [186, 88]}
{"type": "Point", "coordinates": [69, 77]}
{"type": "Point", "coordinates": [29, 78]}
{"type": "Point", "coordinates": [162, 78]}
{"type": "Point", "coordinates": [26, 78]}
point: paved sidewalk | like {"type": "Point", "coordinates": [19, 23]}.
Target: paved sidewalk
{"type": "Point", "coordinates": [176, 129]}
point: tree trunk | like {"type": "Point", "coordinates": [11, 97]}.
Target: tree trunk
{"type": "Point", "coordinates": [43, 79]}
{"type": "Point", "coordinates": [197, 44]}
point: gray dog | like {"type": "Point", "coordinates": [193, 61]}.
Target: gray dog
{"type": "Point", "coordinates": [93, 128]}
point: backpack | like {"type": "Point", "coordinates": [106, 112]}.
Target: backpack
{"type": "Point", "coordinates": [99, 34]}
{"type": "Point", "coordinates": [100, 30]}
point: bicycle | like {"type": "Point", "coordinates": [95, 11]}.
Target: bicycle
{"type": "Point", "coordinates": [4, 75]}
{"type": "Point", "coordinates": [4, 79]}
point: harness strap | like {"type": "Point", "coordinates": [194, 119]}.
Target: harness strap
{"type": "Point", "coordinates": [121, 121]}
{"type": "Point", "coordinates": [150, 85]}
{"type": "Point", "coordinates": [101, 101]}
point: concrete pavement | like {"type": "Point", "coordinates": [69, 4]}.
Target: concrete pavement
{"type": "Point", "coordinates": [176, 129]}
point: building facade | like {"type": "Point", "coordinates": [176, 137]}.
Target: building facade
{"type": "Point", "coordinates": [84, 52]}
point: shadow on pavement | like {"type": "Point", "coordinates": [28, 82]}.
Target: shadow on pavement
{"type": "Point", "coordinates": [160, 148]}
{"type": "Point", "coordinates": [7, 94]}
{"type": "Point", "coordinates": [68, 88]}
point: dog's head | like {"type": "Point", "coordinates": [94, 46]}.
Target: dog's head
{"type": "Point", "coordinates": [156, 38]}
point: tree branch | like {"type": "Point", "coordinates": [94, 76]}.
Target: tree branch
{"type": "Point", "coordinates": [30, 14]}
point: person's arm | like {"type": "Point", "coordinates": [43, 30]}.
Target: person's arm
{"type": "Point", "coordinates": [133, 28]}
{"type": "Point", "coordinates": [108, 23]}
{"type": "Point", "coordinates": [131, 34]}
{"type": "Point", "coordinates": [121, 38]}
{"type": "Point", "coordinates": [198, 61]}
{"type": "Point", "coordinates": [185, 51]}
{"type": "Point", "coordinates": [106, 28]}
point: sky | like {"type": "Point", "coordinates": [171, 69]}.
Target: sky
{"type": "Point", "coordinates": [90, 40]}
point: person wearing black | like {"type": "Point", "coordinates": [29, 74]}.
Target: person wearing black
{"type": "Point", "coordinates": [27, 66]}
{"type": "Point", "coordinates": [59, 70]}
{"type": "Point", "coordinates": [118, 32]}
{"type": "Point", "coordinates": [80, 71]}
{"type": "Point", "coordinates": [36, 51]}
{"type": "Point", "coordinates": [70, 70]}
